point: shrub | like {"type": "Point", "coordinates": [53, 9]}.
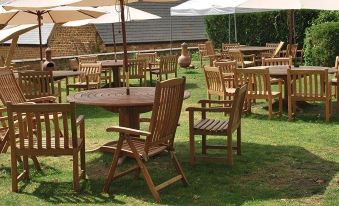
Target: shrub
{"type": "Point", "coordinates": [322, 44]}
{"type": "Point", "coordinates": [327, 16]}
{"type": "Point", "coordinates": [259, 28]}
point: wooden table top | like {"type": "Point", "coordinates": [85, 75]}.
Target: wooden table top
{"type": "Point", "coordinates": [253, 48]}
{"type": "Point", "coordinates": [282, 70]}
{"type": "Point", "coordinates": [116, 97]}
{"type": "Point", "coordinates": [112, 63]}
{"type": "Point", "coordinates": [60, 74]}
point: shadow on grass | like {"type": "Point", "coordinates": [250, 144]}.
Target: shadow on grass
{"type": "Point", "coordinates": [94, 112]}
{"type": "Point", "coordinates": [263, 172]}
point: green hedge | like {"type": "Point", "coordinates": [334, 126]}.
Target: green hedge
{"type": "Point", "coordinates": [322, 44]}
{"type": "Point", "coordinates": [259, 28]}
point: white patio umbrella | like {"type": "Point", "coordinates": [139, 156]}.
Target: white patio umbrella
{"type": "Point", "coordinates": [113, 16]}
{"type": "Point", "coordinates": [27, 15]}
{"type": "Point", "coordinates": [122, 3]}
{"type": "Point", "coordinates": [13, 34]}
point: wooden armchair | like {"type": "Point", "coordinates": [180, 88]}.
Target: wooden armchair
{"type": "Point", "coordinates": [202, 53]}
{"type": "Point", "coordinates": [225, 47]}
{"type": "Point", "coordinates": [36, 84]}
{"type": "Point", "coordinates": [206, 126]}
{"type": "Point", "coordinates": [237, 55]}
{"type": "Point", "coordinates": [228, 69]}
{"type": "Point", "coordinates": [259, 87]}
{"type": "Point", "coordinates": [308, 85]}
{"type": "Point", "coordinates": [151, 61]}
{"type": "Point", "coordinates": [167, 65]}
{"type": "Point", "coordinates": [275, 52]}
{"type": "Point", "coordinates": [34, 141]}
{"type": "Point", "coordinates": [159, 138]}
{"type": "Point", "coordinates": [282, 61]}
{"type": "Point", "coordinates": [137, 70]}
{"type": "Point", "coordinates": [89, 79]}
{"type": "Point", "coordinates": [216, 84]}
{"type": "Point", "coordinates": [212, 53]}
{"type": "Point", "coordinates": [296, 54]}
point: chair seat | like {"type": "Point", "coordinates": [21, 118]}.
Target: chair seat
{"type": "Point", "coordinates": [140, 146]}
{"type": "Point", "coordinates": [211, 125]}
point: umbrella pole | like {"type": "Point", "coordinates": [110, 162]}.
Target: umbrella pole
{"type": "Point", "coordinates": [114, 45]}
{"type": "Point", "coordinates": [235, 28]}
{"type": "Point", "coordinates": [290, 27]}
{"type": "Point", "coordinates": [40, 38]}
{"type": "Point", "coordinates": [229, 28]}
{"type": "Point", "coordinates": [124, 43]}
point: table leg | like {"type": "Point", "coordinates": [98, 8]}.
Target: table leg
{"type": "Point", "coordinates": [116, 77]}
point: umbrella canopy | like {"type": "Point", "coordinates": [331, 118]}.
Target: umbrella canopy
{"type": "Point", "coordinates": [122, 13]}
{"type": "Point", "coordinates": [25, 15]}
{"type": "Point", "coordinates": [290, 4]}
{"type": "Point", "coordinates": [113, 16]}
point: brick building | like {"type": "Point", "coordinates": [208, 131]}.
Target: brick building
{"type": "Point", "coordinates": [150, 34]}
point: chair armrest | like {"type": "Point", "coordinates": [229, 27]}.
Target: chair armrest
{"type": "Point", "coordinates": [209, 109]}
{"type": "Point", "coordinates": [126, 130]}
{"type": "Point", "coordinates": [80, 120]}
{"type": "Point", "coordinates": [43, 99]}
{"type": "Point", "coordinates": [205, 101]}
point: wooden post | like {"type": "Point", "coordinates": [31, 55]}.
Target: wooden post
{"type": "Point", "coordinates": [11, 51]}
{"type": "Point", "coordinates": [290, 22]}
{"type": "Point", "coordinates": [114, 45]}
{"type": "Point", "coordinates": [40, 38]}
{"type": "Point", "coordinates": [124, 43]}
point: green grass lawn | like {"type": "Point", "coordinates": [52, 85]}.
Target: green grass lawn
{"type": "Point", "coordinates": [282, 163]}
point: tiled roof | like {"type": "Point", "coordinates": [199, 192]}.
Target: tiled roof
{"type": "Point", "coordinates": [32, 37]}
{"type": "Point", "coordinates": [183, 28]}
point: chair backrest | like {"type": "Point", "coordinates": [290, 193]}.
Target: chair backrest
{"type": "Point", "coordinates": [73, 64]}
{"type": "Point", "coordinates": [227, 46]}
{"type": "Point", "coordinates": [136, 68]}
{"type": "Point", "coordinates": [281, 61]}
{"type": "Point", "coordinates": [236, 55]}
{"type": "Point", "coordinates": [9, 88]}
{"type": "Point", "coordinates": [272, 45]}
{"type": "Point", "coordinates": [36, 84]}
{"type": "Point", "coordinates": [214, 81]}
{"type": "Point", "coordinates": [47, 140]}
{"type": "Point", "coordinates": [202, 49]}
{"type": "Point", "coordinates": [88, 59]}
{"type": "Point", "coordinates": [149, 57]}
{"type": "Point", "coordinates": [169, 96]}
{"type": "Point", "coordinates": [257, 80]}
{"type": "Point", "coordinates": [91, 70]}
{"type": "Point", "coordinates": [237, 107]}
{"type": "Point", "coordinates": [291, 50]}
{"type": "Point", "coordinates": [308, 84]}
{"type": "Point", "coordinates": [168, 64]}
{"type": "Point", "coordinates": [209, 48]}
{"type": "Point", "coordinates": [228, 69]}
{"type": "Point", "coordinates": [278, 49]}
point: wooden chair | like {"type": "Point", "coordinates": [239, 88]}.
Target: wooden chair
{"type": "Point", "coordinates": [206, 126]}
{"type": "Point", "coordinates": [159, 138]}
{"type": "Point", "coordinates": [136, 69]}
{"type": "Point", "coordinates": [274, 53]}
{"type": "Point", "coordinates": [225, 47]}
{"type": "Point", "coordinates": [228, 69]}
{"type": "Point", "coordinates": [237, 55]}
{"type": "Point", "coordinates": [281, 61]}
{"type": "Point", "coordinates": [4, 136]}
{"type": "Point", "coordinates": [308, 85]}
{"type": "Point", "coordinates": [167, 65]}
{"type": "Point", "coordinates": [88, 59]}
{"type": "Point", "coordinates": [47, 142]}
{"type": "Point", "coordinates": [151, 60]}
{"type": "Point", "coordinates": [334, 81]}
{"type": "Point", "coordinates": [296, 54]}
{"type": "Point", "coordinates": [36, 84]}
{"type": "Point", "coordinates": [211, 52]}
{"type": "Point", "coordinates": [216, 84]}
{"type": "Point", "coordinates": [89, 79]}
{"type": "Point", "coordinates": [202, 53]}
{"type": "Point", "coordinates": [259, 87]}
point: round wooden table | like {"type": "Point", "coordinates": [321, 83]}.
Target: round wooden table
{"type": "Point", "coordinates": [129, 107]}
{"type": "Point", "coordinates": [114, 66]}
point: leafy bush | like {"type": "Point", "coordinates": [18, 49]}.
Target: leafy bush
{"type": "Point", "coordinates": [322, 44]}
{"type": "Point", "coordinates": [259, 28]}
{"type": "Point", "coordinates": [327, 16]}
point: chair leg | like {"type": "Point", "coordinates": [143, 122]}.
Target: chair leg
{"type": "Point", "coordinates": [289, 109]}
{"type": "Point", "coordinates": [26, 167]}
{"type": "Point", "coordinates": [114, 165]}
{"type": "Point", "coordinates": [14, 172]}
{"type": "Point", "coordinates": [270, 108]}
{"type": "Point", "coordinates": [83, 161]}
{"type": "Point", "coordinates": [327, 111]}
{"type": "Point", "coordinates": [145, 172]}
{"type": "Point", "coordinates": [36, 163]}
{"type": "Point", "coordinates": [76, 181]}
{"type": "Point", "coordinates": [192, 149]}
{"type": "Point", "coordinates": [178, 168]}
{"type": "Point", "coordinates": [280, 104]}
{"type": "Point", "coordinates": [203, 144]}
{"type": "Point", "coordinates": [239, 140]}
{"type": "Point", "coordinates": [166, 76]}
{"type": "Point", "coordinates": [150, 78]}
{"type": "Point", "coordinates": [229, 150]}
